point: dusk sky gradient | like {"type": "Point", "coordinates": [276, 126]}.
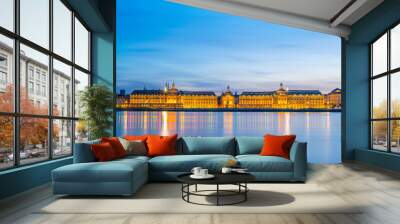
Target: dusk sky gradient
{"type": "Point", "coordinates": [159, 41]}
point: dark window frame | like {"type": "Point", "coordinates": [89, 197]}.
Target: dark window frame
{"type": "Point", "coordinates": [388, 74]}
{"type": "Point", "coordinates": [16, 114]}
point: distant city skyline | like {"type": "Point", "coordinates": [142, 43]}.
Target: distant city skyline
{"type": "Point", "coordinates": [201, 50]}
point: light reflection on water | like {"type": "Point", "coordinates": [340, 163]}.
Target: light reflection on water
{"type": "Point", "coordinates": [321, 130]}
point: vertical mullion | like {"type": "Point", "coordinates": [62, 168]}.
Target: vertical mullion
{"type": "Point", "coordinates": [73, 82]}
{"type": "Point", "coordinates": [89, 51]}
{"type": "Point", "coordinates": [16, 84]}
{"type": "Point", "coordinates": [50, 77]}
{"type": "Point", "coordinates": [371, 103]}
{"type": "Point", "coordinates": [389, 102]}
{"type": "Point", "coordinates": [114, 78]}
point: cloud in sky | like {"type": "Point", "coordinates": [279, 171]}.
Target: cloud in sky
{"type": "Point", "coordinates": [159, 41]}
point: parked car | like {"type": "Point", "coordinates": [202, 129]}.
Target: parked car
{"type": "Point", "coordinates": [22, 155]}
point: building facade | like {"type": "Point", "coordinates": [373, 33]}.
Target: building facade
{"type": "Point", "coordinates": [34, 81]}
{"type": "Point", "coordinates": [172, 98]}
{"type": "Point", "coordinates": [34, 88]}
{"type": "Point", "coordinates": [334, 98]}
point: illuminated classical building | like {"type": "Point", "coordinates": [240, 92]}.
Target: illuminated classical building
{"type": "Point", "coordinates": [227, 99]}
{"type": "Point", "coordinates": [122, 100]}
{"type": "Point", "coordinates": [283, 99]}
{"type": "Point", "coordinates": [172, 98]}
{"type": "Point", "coordinates": [334, 98]}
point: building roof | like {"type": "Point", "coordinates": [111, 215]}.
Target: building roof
{"type": "Point", "coordinates": [158, 92]}
{"type": "Point", "coordinates": [304, 92]}
{"type": "Point", "coordinates": [203, 93]}
{"type": "Point", "coordinates": [257, 93]}
{"type": "Point", "coordinates": [290, 92]}
{"type": "Point", "coordinates": [147, 92]}
{"type": "Point", "coordinates": [337, 90]}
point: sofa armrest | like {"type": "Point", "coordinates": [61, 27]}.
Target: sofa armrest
{"type": "Point", "coordinates": [298, 155]}
{"type": "Point", "coordinates": [83, 152]}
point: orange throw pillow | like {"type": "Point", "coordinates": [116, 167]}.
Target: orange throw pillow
{"type": "Point", "coordinates": [103, 152]}
{"type": "Point", "coordinates": [116, 145]}
{"type": "Point", "coordinates": [161, 145]}
{"type": "Point", "coordinates": [136, 137]}
{"type": "Point", "coordinates": [277, 145]}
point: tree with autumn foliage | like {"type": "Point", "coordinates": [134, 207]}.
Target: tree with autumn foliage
{"type": "Point", "coordinates": [6, 122]}
{"type": "Point", "coordinates": [380, 127]}
{"type": "Point", "coordinates": [33, 131]}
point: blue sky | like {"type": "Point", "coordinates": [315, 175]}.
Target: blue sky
{"type": "Point", "coordinates": [159, 41]}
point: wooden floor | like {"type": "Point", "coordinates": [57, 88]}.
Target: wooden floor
{"type": "Point", "coordinates": [377, 188]}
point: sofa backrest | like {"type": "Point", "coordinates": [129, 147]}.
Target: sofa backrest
{"type": "Point", "coordinates": [206, 145]}
{"type": "Point", "coordinates": [249, 145]}
{"type": "Point", "coordinates": [192, 146]}
{"type": "Point", "coordinates": [83, 152]}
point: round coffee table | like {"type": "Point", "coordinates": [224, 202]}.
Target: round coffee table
{"type": "Point", "coordinates": [238, 179]}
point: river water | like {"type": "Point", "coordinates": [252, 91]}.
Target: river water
{"type": "Point", "coordinates": [321, 130]}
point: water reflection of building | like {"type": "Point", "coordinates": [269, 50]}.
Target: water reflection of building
{"type": "Point", "coordinates": [172, 98]}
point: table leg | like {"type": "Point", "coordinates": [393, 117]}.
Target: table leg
{"type": "Point", "coordinates": [182, 190]}
{"type": "Point", "coordinates": [217, 194]}
{"type": "Point", "coordinates": [245, 193]}
{"type": "Point", "coordinates": [188, 190]}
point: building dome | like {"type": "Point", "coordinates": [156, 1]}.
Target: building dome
{"type": "Point", "coordinates": [281, 90]}
{"type": "Point", "coordinates": [228, 91]}
{"type": "Point", "coordinates": [172, 89]}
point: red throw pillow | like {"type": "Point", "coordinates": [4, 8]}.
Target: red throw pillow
{"type": "Point", "coordinates": [116, 145]}
{"type": "Point", "coordinates": [277, 145]}
{"type": "Point", "coordinates": [161, 145]}
{"type": "Point", "coordinates": [103, 152]}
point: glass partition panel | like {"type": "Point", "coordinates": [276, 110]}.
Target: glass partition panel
{"type": "Point", "coordinates": [379, 135]}
{"type": "Point", "coordinates": [81, 45]}
{"type": "Point", "coordinates": [6, 142]}
{"type": "Point", "coordinates": [395, 95]}
{"type": "Point", "coordinates": [81, 82]}
{"type": "Point", "coordinates": [34, 21]}
{"type": "Point", "coordinates": [34, 144]}
{"type": "Point", "coordinates": [395, 136]}
{"type": "Point", "coordinates": [379, 56]}
{"type": "Point", "coordinates": [7, 14]}
{"type": "Point", "coordinates": [62, 138]}
{"type": "Point", "coordinates": [81, 131]}
{"type": "Point", "coordinates": [379, 98]}
{"type": "Point", "coordinates": [62, 89]}
{"type": "Point", "coordinates": [395, 47]}
{"type": "Point", "coordinates": [6, 74]}
{"type": "Point", "coordinates": [34, 78]}
{"type": "Point", "coordinates": [62, 29]}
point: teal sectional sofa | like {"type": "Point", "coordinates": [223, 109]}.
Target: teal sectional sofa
{"type": "Point", "coordinates": [125, 176]}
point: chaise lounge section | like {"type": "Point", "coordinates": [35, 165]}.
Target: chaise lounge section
{"type": "Point", "coordinates": [88, 177]}
{"type": "Point", "coordinates": [125, 176]}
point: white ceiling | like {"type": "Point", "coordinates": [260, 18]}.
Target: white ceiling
{"type": "Point", "coordinates": [326, 16]}
{"type": "Point", "coordinates": [320, 9]}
